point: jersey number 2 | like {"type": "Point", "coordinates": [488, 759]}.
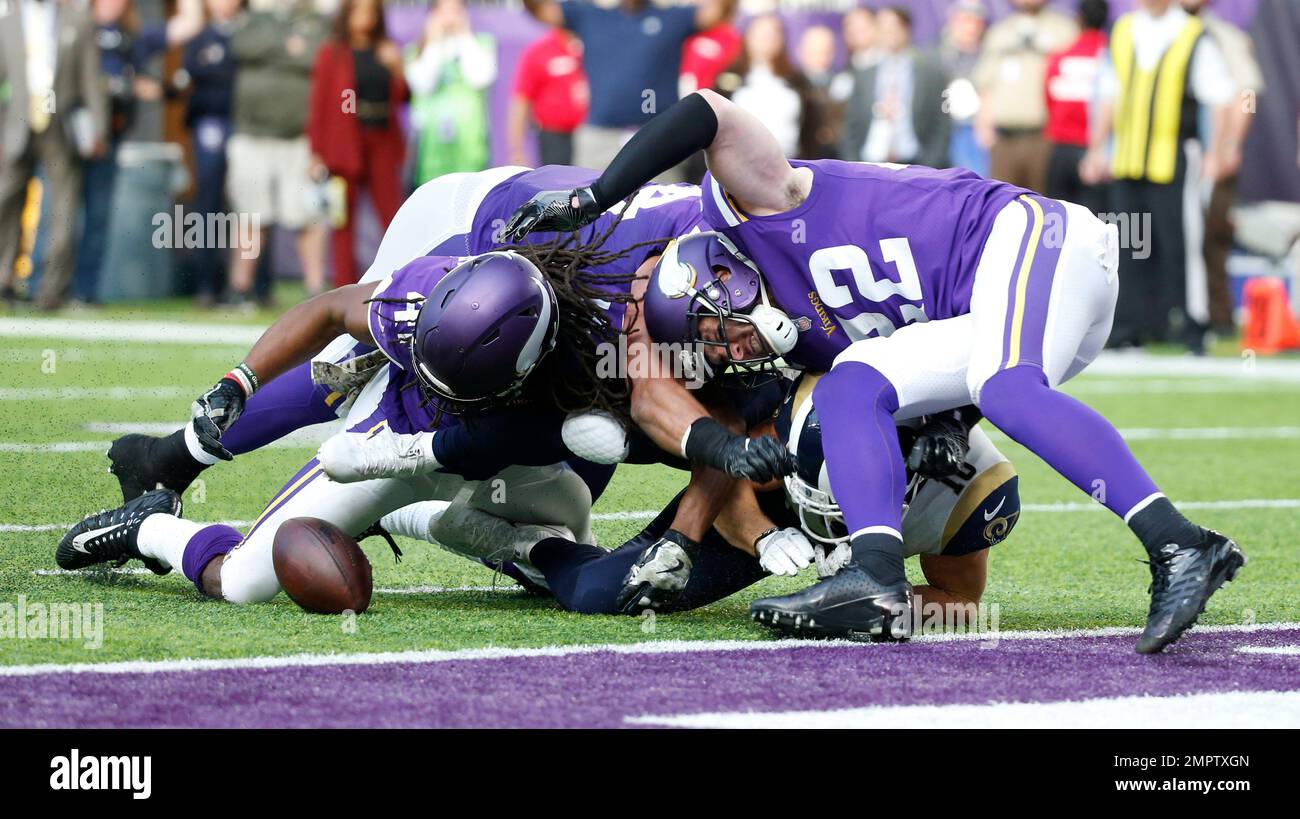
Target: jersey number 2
{"type": "Point", "coordinates": [854, 259]}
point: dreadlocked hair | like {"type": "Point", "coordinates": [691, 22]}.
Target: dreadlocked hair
{"type": "Point", "coordinates": [568, 379]}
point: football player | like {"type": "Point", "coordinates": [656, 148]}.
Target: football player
{"type": "Point", "coordinates": [367, 312]}
{"type": "Point", "coordinates": [919, 290]}
{"type": "Point", "coordinates": [963, 499]}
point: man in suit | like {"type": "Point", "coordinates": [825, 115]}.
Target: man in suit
{"type": "Point", "coordinates": [896, 111]}
{"type": "Point", "coordinates": [53, 110]}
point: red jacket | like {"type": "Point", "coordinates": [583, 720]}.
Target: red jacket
{"type": "Point", "coordinates": [335, 134]}
{"type": "Point", "coordinates": [1071, 88]}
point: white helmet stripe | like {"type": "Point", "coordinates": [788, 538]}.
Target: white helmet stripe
{"type": "Point", "coordinates": [532, 350]}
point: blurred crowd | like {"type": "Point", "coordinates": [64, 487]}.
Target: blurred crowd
{"type": "Point", "coordinates": [306, 112]}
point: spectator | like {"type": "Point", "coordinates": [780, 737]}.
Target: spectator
{"type": "Point", "coordinates": [632, 54]}
{"type": "Point", "coordinates": [823, 112]}
{"type": "Point", "coordinates": [765, 83]}
{"type": "Point", "coordinates": [1010, 77]}
{"type": "Point", "coordinates": [896, 111]}
{"type": "Point", "coordinates": [58, 61]}
{"type": "Point", "coordinates": [360, 140]}
{"type": "Point", "coordinates": [859, 29]}
{"type": "Point", "coordinates": [706, 55]}
{"type": "Point", "coordinates": [210, 73]}
{"type": "Point", "coordinates": [1161, 67]}
{"type": "Point", "coordinates": [551, 90]}
{"type": "Point", "coordinates": [959, 53]}
{"type": "Point", "coordinates": [1239, 54]}
{"type": "Point", "coordinates": [272, 173]}
{"type": "Point", "coordinates": [449, 72]}
{"type": "Point", "coordinates": [125, 49]}
{"type": "Point", "coordinates": [1071, 90]}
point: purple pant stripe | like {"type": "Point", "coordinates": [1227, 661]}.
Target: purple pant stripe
{"type": "Point", "coordinates": [1038, 290]}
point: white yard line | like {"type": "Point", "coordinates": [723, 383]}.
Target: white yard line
{"type": "Point", "coordinates": [312, 437]}
{"type": "Point", "coordinates": [117, 330]}
{"type": "Point", "coordinates": [1236, 709]}
{"type": "Point", "coordinates": [448, 589]}
{"type": "Point", "coordinates": [94, 393]}
{"type": "Point", "coordinates": [645, 648]}
{"type": "Point", "coordinates": [1286, 651]}
{"type": "Point", "coordinates": [1177, 386]}
{"type": "Point", "coordinates": [1143, 365]}
{"type": "Point", "coordinates": [648, 514]}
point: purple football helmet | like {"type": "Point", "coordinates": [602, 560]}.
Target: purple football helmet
{"type": "Point", "coordinates": [703, 275]}
{"type": "Point", "coordinates": [483, 329]}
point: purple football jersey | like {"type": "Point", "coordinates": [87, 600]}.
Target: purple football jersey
{"type": "Point", "coordinates": [872, 248]}
{"type": "Point", "coordinates": [392, 319]}
{"type": "Point", "coordinates": [655, 212]}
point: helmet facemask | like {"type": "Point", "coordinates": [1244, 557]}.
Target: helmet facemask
{"type": "Point", "coordinates": [773, 332]}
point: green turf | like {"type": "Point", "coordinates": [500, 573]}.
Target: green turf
{"type": "Point", "coordinates": [1062, 570]}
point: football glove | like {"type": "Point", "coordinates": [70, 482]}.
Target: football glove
{"type": "Point", "coordinates": [940, 449]}
{"type": "Point", "coordinates": [214, 412]}
{"type": "Point", "coordinates": [759, 459]}
{"type": "Point", "coordinates": [784, 551]}
{"type": "Point", "coordinates": [553, 211]}
{"type": "Point", "coordinates": [353, 456]}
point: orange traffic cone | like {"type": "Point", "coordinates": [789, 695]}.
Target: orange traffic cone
{"type": "Point", "coordinates": [1270, 324]}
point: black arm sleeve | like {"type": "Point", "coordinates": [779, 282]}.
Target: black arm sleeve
{"type": "Point", "coordinates": [666, 140]}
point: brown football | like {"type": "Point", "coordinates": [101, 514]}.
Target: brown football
{"type": "Point", "coordinates": [320, 567]}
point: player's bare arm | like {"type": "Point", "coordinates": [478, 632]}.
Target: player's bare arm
{"type": "Point", "coordinates": [305, 329]}
{"type": "Point", "coordinates": [295, 337]}
{"type": "Point", "coordinates": [743, 156]}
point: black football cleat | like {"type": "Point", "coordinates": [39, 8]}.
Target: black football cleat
{"type": "Point", "coordinates": [850, 604]}
{"type": "Point", "coordinates": [110, 536]}
{"type": "Point", "coordinates": [1182, 579]}
{"type": "Point", "coordinates": [142, 462]}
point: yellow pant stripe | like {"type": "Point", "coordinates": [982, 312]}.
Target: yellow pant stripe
{"type": "Point", "coordinates": [1022, 283]}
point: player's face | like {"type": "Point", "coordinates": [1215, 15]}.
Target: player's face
{"type": "Point", "coordinates": [743, 342]}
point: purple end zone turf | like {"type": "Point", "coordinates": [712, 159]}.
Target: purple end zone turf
{"type": "Point", "coordinates": [601, 689]}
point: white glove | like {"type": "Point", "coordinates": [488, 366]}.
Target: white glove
{"type": "Point", "coordinates": [830, 562]}
{"type": "Point", "coordinates": [784, 552]}
{"type": "Point", "coordinates": [353, 456]}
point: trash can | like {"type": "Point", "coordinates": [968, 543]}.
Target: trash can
{"type": "Point", "coordinates": [143, 230]}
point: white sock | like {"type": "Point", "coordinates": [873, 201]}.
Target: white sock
{"type": "Point", "coordinates": [196, 451]}
{"type": "Point", "coordinates": [416, 520]}
{"type": "Point", "coordinates": [163, 537]}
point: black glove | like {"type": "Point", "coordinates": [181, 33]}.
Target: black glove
{"type": "Point", "coordinates": [758, 459]}
{"type": "Point", "coordinates": [213, 413]}
{"type": "Point", "coordinates": [941, 447]}
{"type": "Point", "coordinates": [553, 212]}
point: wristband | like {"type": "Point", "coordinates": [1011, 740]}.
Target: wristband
{"type": "Point", "coordinates": [764, 534]}
{"type": "Point", "coordinates": [705, 440]}
{"type": "Point", "coordinates": [247, 380]}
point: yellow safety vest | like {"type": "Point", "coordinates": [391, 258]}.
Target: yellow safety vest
{"type": "Point", "coordinates": [1152, 112]}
